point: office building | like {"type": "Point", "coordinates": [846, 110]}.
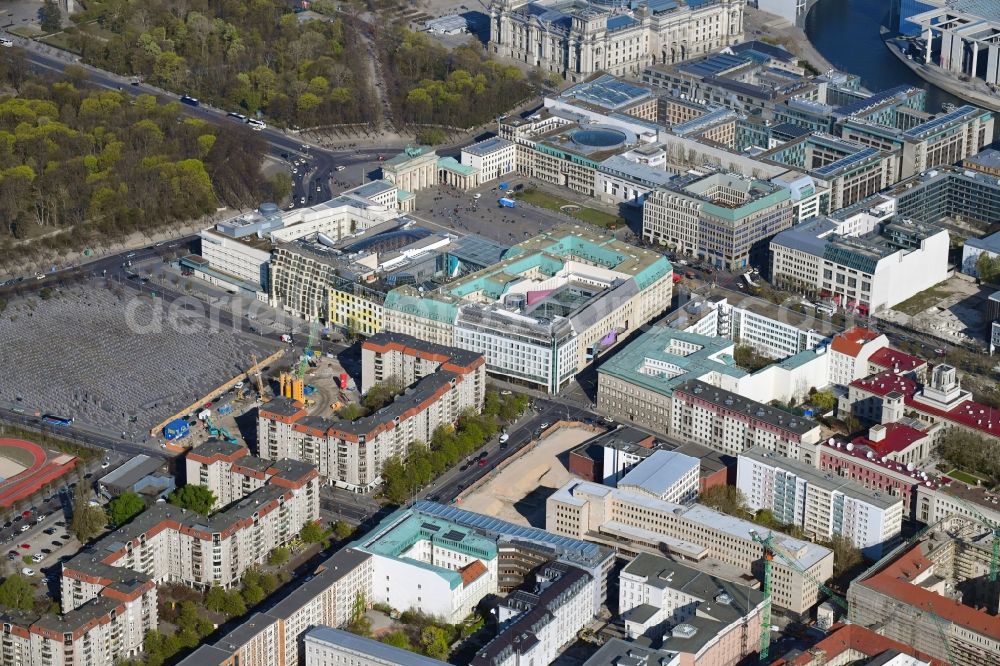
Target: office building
{"type": "Point", "coordinates": [351, 454]}
{"type": "Point", "coordinates": [539, 316]}
{"type": "Point", "coordinates": [537, 622]}
{"type": "Point", "coordinates": [606, 458]}
{"type": "Point", "coordinates": [326, 646]}
{"type": "Point", "coordinates": [864, 273]}
{"type": "Point", "coordinates": [872, 466]}
{"type": "Point", "coordinates": [973, 248]}
{"type": "Point", "coordinates": [771, 330]}
{"type": "Point", "coordinates": [521, 549]}
{"type": "Point", "coordinates": [898, 362]}
{"type": "Point", "coordinates": [617, 652]}
{"type": "Point", "coordinates": [822, 504]}
{"type": "Point", "coordinates": [848, 170]}
{"type": "Point", "coordinates": [923, 141]}
{"type": "Point", "coordinates": [722, 218]}
{"type": "Point", "coordinates": [709, 620]}
{"type": "Point", "coordinates": [494, 158]}
{"type": "Point", "coordinates": [636, 385]}
{"type": "Point", "coordinates": [932, 595]}
{"type": "Point", "coordinates": [582, 40]}
{"type": "Point", "coordinates": [430, 565]}
{"type": "Point", "coordinates": [849, 643]}
{"type": "Point", "coordinates": [695, 535]}
{"type": "Point", "coordinates": [947, 192]}
{"type": "Point", "coordinates": [665, 475]}
{"type": "Point", "coordinates": [274, 637]}
{"type": "Point", "coordinates": [955, 39]}
{"type": "Point", "coordinates": [731, 424]}
{"type": "Point", "coordinates": [236, 253]}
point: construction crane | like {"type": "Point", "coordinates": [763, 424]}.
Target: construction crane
{"type": "Point", "coordinates": [304, 362]}
{"type": "Point", "coordinates": [257, 377]}
{"type": "Point", "coordinates": [770, 552]}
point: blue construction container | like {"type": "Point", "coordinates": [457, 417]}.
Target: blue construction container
{"type": "Point", "coordinates": [308, 389]}
{"type": "Point", "coordinates": [225, 409]}
{"type": "Point", "coordinates": [176, 429]}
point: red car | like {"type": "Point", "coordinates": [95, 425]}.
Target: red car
{"type": "Point", "coordinates": [26, 546]}
{"type": "Point", "coordinates": [207, 405]}
{"type": "Point", "coordinates": [482, 462]}
{"type": "Point", "coordinates": [25, 514]}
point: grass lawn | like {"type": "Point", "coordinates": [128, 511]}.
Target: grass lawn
{"type": "Point", "coordinates": [59, 40]}
{"type": "Point", "coordinates": [965, 477]}
{"type": "Point", "coordinates": [552, 202]}
{"type": "Point", "coordinates": [25, 31]}
{"type": "Point", "coordinates": [920, 302]}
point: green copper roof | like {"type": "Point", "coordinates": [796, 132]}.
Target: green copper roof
{"type": "Point", "coordinates": [652, 363]}
{"type": "Point", "coordinates": [394, 537]}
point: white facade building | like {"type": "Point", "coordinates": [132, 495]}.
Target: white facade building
{"type": "Point", "coordinates": [820, 503]}
{"type": "Point", "coordinates": [494, 157]}
{"type": "Point", "coordinates": [656, 594]}
{"type": "Point", "coordinates": [431, 565]}
{"type": "Point", "coordinates": [665, 475]}
{"type": "Point", "coordinates": [865, 273]}
{"type": "Point", "coordinates": [849, 354]}
{"type": "Point", "coordinates": [552, 614]}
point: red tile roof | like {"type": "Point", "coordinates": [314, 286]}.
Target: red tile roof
{"type": "Point", "coordinates": [884, 383]}
{"type": "Point", "coordinates": [852, 340]}
{"type": "Point", "coordinates": [843, 637]}
{"type": "Point", "coordinates": [970, 414]}
{"type": "Point", "coordinates": [895, 582]}
{"type": "Point", "coordinates": [898, 437]}
{"type": "Point", "coordinates": [472, 571]}
{"type": "Point", "coordinates": [890, 358]}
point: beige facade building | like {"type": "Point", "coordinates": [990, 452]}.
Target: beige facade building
{"type": "Point", "coordinates": [109, 628]}
{"type": "Point", "coordinates": [578, 40]}
{"type": "Point", "coordinates": [169, 544]}
{"type": "Point", "coordinates": [413, 169]}
{"type": "Point", "coordinates": [729, 423]}
{"type": "Point", "coordinates": [546, 310]}
{"type": "Point", "coordinates": [351, 453]}
{"type": "Point", "coordinates": [633, 523]}
{"type": "Point", "coordinates": [273, 638]}
{"type": "Point", "coordinates": [722, 217]}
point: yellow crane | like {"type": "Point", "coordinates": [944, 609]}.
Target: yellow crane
{"type": "Point", "coordinates": [256, 376]}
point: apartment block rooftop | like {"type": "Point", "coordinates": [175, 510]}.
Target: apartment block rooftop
{"type": "Point", "coordinates": [745, 407]}
{"type": "Point", "coordinates": [826, 480]}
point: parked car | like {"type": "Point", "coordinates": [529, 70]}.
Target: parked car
{"type": "Point", "coordinates": [28, 571]}
{"type": "Point", "coordinates": [37, 557]}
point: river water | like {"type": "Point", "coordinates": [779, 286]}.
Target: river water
{"type": "Point", "coordinates": [846, 32]}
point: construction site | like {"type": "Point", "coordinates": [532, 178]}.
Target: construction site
{"type": "Point", "coordinates": [938, 592]}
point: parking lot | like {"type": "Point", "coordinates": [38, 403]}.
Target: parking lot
{"type": "Point", "coordinates": [112, 359]}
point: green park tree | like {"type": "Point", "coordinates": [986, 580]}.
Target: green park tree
{"type": "Point", "coordinates": [125, 507]}
{"type": "Point", "coordinates": [194, 498]}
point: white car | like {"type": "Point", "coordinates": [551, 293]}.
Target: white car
{"type": "Point", "coordinates": [504, 437]}
{"type": "Point", "coordinates": [341, 167]}
{"type": "Point", "coordinates": [105, 464]}
{"type": "Point", "coordinates": [37, 557]}
{"type": "Point", "coordinates": [28, 571]}
{"type": "Point", "coordinates": [25, 527]}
